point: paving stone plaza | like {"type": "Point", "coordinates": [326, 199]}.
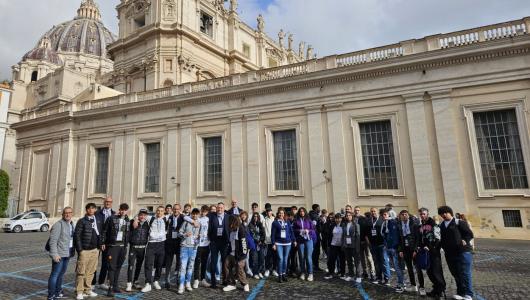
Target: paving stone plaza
{"type": "Point", "coordinates": [500, 272]}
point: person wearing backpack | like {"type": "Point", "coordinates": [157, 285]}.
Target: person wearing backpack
{"type": "Point", "coordinates": [306, 236]}
{"type": "Point", "coordinates": [237, 253]}
{"type": "Point", "coordinates": [155, 251]}
{"type": "Point", "coordinates": [61, 247]}
{"type": "Point", "coordinates": [428, 255]}
{"type": "Point", "coordinates": [456, 239]}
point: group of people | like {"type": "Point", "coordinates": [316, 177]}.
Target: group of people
{"type": "Point", "coordinates": [213, 246]}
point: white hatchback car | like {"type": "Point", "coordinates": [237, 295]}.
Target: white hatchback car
{"type": "Point", "coordinates": [27, 221]}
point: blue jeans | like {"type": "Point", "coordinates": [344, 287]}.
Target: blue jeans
{"type": "Point", "coordinates": [393, 255]}
{"type": "Point", "coordinates": [305, 255]}
{"type": "Point", "coordinates": [187, 262]}
{"type": "Point", "coordinates": [55, 282]}
{"type": "Point", "coordinates": [381, 262]}
{"type": "Point", "coordinates": [283, 256]}
{"type": "Point", "coordinates": [460, 266]}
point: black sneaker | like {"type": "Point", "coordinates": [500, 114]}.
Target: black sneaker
{"type": "Point", "coordinates": [110, 293]}
{"type": "Point", "coordinates": [284, 278]}
{"type": "Point", "coordinates": [167, 286]}
{"type": "Point", "coordinates": [280, 278]}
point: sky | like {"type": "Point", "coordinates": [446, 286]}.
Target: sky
{"type": "Point", "coordinates": [330, 26]}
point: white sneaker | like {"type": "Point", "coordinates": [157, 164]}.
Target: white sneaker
{"type": "Point", "coordinates": [129, 287]}
{"type": "Point", "coordinates": [246, 288]}
{"type": "Point", "coordinates": [91, 294]}
{"type": "Point", "coordinates": [79, 297]}
{"type": "Point", "coordinates": [411, 288]}
{"type": "Point", "coordinates": [137, 286]}
{"type": "Point", "coordinates": [267, 273]}
{"type": "Point", "coordinates": [147, 288]}
{"type": "Point", "coordinates": [157, 285]}
{"type": "Point", "coordinates": [275, 273]}
{"type": "Point", "coordinates": [348, 278]}
{"type": "Point", "coordinates": [229, 288]}
{"type": "Point", "coordinates": [205, 283]}
{"type": "Point", "coordinates": [458, 297]}
{"type": "Point", "coordinates": [256, 277]}
{"type": "Point", "coordinates": [310, 277]}
{"type": "Point", "coordinates": [181, 289]}
{"type": "Point", "coordinates": [467, 297]}
{"type": "Point", "coordinates": [103, 287]}
{"type": "Point", "coordinates": [260, 276]}
{"type": "Point", "coordinates": [328, 276]}
{"type": "Point", "coordinates": [358, 280]}
{"type": "Point", "coordinates": [302, 277]}
{"type": "Point", "coordinates": [188, 287]}
{"type": "Point", "coordinates": [196, 284]}
{"type": "Point", "coordinates": [343, 277]}
{"type": "Point", "coordinates": [423, 292]}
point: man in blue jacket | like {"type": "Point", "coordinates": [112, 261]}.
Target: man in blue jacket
{"type": "Point", "coordinates": [390, 233]}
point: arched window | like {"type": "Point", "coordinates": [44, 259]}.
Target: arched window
{"type": "Point", "coordinates": [168, 83]}
{"type": "Point", "coordinates": [34, 76]}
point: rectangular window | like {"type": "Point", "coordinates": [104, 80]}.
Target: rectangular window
{"type": "Point", "coordinates": [512, 218]}
{"type": "Point", "coordinates": [499, 148]}
{"type": "Point", "coordinates": [285, 160]}
{"type": "Point", "coordinates": [139, 21]}
{"type": "Point", "coordinates": [213, 164]}
{"type": "Point", "coordinates": [168, 65]}
{"type": "Point", "coordinates": [102, 170]}
{"type": "Point", "coordinates": [246, 50]}
{"type": "Point", "coordinates": [206, 24]}
{"type": "Point", "coordinates": [152, 168]}
{"type": "Point", "coordinates": [377, 148]}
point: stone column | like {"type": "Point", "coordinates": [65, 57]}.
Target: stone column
{"type": "Point", "coordinates": [185, 163]}
{"type": "Point", "coordinates": [421, 156]}
{"type": "Point", "coordinates": [337, 174]}
{"type": "Point", "coordinates": [252, 161]}
{"type": "Point", "coordinates": [316, 156]}
{"type": "Point", "coordinates": [236, 158]}
{"type": "Point", "coordinates": [118, 155]}
{"type": "Point", "coordinates": [130, 173]}
{"type": "Point", "coordinates": [450, 161]}
{"type": "Point", "coordinates": [171, 169]}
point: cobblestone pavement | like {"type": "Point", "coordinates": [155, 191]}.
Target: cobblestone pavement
{"type": "Point", "coordinates": [501, 271]}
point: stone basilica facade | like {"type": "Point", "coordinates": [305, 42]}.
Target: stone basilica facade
{"type": "Point", "coordinates": [190, 105]}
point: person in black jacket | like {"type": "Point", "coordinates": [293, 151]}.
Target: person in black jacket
{"type": "Point", "coordinates": [237, 254]}
{"type": "Point", "coordinates": [258, 234]}
{"type": "Point", "coordinates": [218, 232]}
{"type": "Point", "coordinates": [86, 242]}
{"type": "Point", "coordinates": [456, 242]}
{"type": "Point", "coordinates": [114, 241]}
{"type": "Point", "coordinates": [101, 217]}
{"type": "Point", "coordinates": [407, 228]}
{"type": "Point", "coordinates": [234, 210]}
{"type": "Point", "coordinates": [138, 242]}
{"type": "Point", "coordinates": [314, 215]}
{"type": "Point", "coordinates": [428, 239]}
{"type": "Point", "coordinates": [172, 243]}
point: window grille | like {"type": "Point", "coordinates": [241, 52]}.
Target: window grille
{"type": "Point", "coordinates": [102, 170]}
{"type": "Point", "coordinates": [152, 168]}
{"type": "Point", "coordinates": [213, 164]}
{"type": "Point", "coordinates": [500, 152]}
{"type": "Point", "coordinates": [377, 148]}
{"type": "Point", "coordinates": [512, 218]}
{"type": "Point", "coordinates": [285, 160]}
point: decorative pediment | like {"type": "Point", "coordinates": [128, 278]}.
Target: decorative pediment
{"type": "Point", "coordinates": [272, 52]}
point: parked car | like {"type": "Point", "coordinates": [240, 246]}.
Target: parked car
{"type": "Point", "coordinates": [27, 221]}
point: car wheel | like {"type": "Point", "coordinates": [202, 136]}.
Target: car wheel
{"type": "Point", "coordinates": [17, 229]}
{"type": "Point", "coordinates": [44, 228]}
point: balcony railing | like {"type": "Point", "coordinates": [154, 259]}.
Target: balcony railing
{"type": "Point", "coordinates": [384, 53]}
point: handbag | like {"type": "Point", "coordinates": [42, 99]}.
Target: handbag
{"type": "Point", "coordinates": [423, 259]}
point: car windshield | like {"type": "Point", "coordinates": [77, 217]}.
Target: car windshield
{"type": "Point", "coordinates": [17, 217]}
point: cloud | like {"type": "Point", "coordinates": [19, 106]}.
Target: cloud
{"type": "Point", "coordinates": [331, 26]}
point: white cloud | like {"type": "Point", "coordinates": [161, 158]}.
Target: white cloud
{"type": "Point", "coordinates": [331, 26]}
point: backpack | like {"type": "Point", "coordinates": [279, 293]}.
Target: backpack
{"type": "Point", "coordinates": [423, 259]}
{"type": "Point", "coordinates": [250, 241]}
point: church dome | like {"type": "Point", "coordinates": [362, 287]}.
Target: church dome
{"type": "Point", "coordinates": [84, 34]}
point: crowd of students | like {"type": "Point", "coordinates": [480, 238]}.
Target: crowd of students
{"type": "Point", "coordinates": [213, 246]}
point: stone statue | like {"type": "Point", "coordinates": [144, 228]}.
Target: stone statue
{"type": "Point", "coordinates": [261, 23]}
{"type": "Point", "coordinates": [290, 42]}
{"type": "Point", "coordinates": [310, 52]}
{"type": "Point", "coordinates": [233, 5]}
{"type": "Point", "coordinates": [170, 8]}
{"type": "Point", "coordinates": [301, 48]}
{"type": "Point", "coordinates": [281, 36]}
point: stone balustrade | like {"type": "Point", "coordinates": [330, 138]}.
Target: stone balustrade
{"type": "Point", "coordinates": [404, 48]}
